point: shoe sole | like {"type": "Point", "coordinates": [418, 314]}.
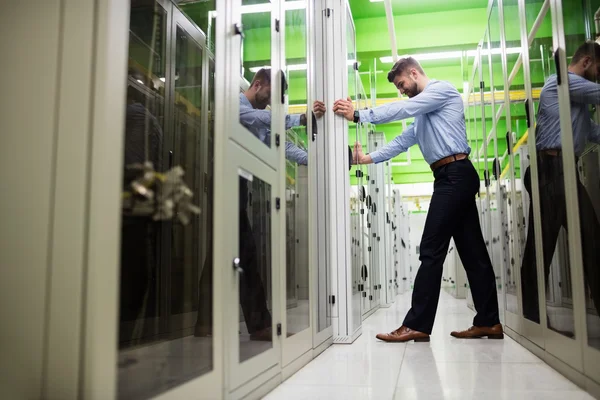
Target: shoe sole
{"type": "Point", "coordinates": [419, 340]}
{"type": "Point", "coordinates": [495, 336]}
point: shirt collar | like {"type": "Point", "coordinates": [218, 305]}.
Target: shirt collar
{"type": "Point", "coordinates": [244, 100]}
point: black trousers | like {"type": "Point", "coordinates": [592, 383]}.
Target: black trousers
{"type": "Point", "coordinates": [554, 216]}
{"type": "Point", "coordinates": [453, 214]}
{"type": "Point", "coordinates": [252, 293]}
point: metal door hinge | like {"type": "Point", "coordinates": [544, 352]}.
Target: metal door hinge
{"type": "Point", "coordinates": [328, 12]}
{"type": "Point", "coordinates": [279, 329]}
{"type": "Point", "coordinates": [277, 25]}
{"type": "Point", "coordinates": [277, 203]}
{"type": "Point", "coordinates": [332, 299]}
{"type": "Point", "coordinates": [482, 85]}
{"type": "Point", "coordinates": [277, 140]}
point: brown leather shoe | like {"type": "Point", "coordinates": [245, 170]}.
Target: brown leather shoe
{"type": "Point", "coordinates": [403, 334]}
{"type": "Point", "coordinates": [478, 332]}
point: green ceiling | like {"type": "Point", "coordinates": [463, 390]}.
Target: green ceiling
{"type": "Point", "coordinates": [365, 9]}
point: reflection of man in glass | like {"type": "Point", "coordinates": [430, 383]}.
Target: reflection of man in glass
{"type": "Point", "coordinates": [440, 131]}
{"type": "Point", "coordinates": [583, 71]}
{"type": "Point", "coordinates": [139, 236]}
{"type": "Point", "coordinates": [253, 301]}
{"type": "Point", "coordinates": [257, 119]}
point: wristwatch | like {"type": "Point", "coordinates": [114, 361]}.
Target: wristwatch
{"type": "Point", "coordinates": [356, 116]}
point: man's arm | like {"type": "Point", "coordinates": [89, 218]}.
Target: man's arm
{"type": "Point", "coordinates": [583, 91]}
{"type": "Point", "coordinates": [295, 154]}
{"type": "Point", "coordinates": [262, 118]}
{"type": "Point", "coordinates": [423, 103]}
{"type": "Point", "coordinates": [255, 118]}
{"type": "Point", "coordinates": [399, 145]}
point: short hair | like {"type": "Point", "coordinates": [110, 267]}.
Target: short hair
{"type": "Point", "coordinates": [403, 65]}
{"type": "Point", "coordinates": [588, 49]}
{"type": "Point", "coordinates": [263, 76]}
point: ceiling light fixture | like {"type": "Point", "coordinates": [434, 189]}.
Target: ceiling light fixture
{"type": "Point", "coordinates": [265, 8]}
{"type": "Point", "coordinates": [451, 54]}
{"type": "Point", "coordinates": [295, 67]}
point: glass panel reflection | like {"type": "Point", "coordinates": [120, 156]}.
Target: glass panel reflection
{"type": "Point", "coordinates": [256, 333]}
{"type": "Point", "coordinates": [517, 126]}
{"type": "Point", "coordinates": [541, 67]}
{"type": "Point", "coordinates": [583, 58]}
{"type": "Point", "coordinates": [557, 273]}
{"type": "Point", "coordinates": [255, 102]}
{"type": "Point", "coordinates": [164, 330]}
{"type": "Point", "coordinates": [297, 282]}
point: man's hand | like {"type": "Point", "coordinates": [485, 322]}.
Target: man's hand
{"type": "Point", "coordinates": [319, 108]}
{"type": "Point", "coordinates": [359, 156]}
{"type": "Point", "coordinates": [345, 108]}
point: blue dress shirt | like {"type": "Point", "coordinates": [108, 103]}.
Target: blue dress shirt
{"type": "Point", "coordinates": [259, 123]}
{"type": "Point", "coordinates": [439, 126]}
{"type": "Point", "coordinates": [583, 93]}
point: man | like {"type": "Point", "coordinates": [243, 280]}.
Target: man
{"type": "Point", "coordinates": [583, 71]}
{"type": "Point", "coordinates": [138, 235]}
{"type": "Point", "coordinates": [255, 117]}
{"type": "Point", "coordinates": [439, 129]}
{"type": "Point", "coordinates": [253, 300]}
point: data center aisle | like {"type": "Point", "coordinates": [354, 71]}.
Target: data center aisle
{"type": "Point", "coordinates": [445, 368]}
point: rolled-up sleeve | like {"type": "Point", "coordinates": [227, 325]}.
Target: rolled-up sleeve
{"type": "Point", "coordinates": [292, 120]}
{"type": "Point", "coordinates": [399, 145]}
{"type": "Point", "coordinates": [423, 103]}
{"type": "Point", "coordinates": [295, 154]}
{"type": "Point", "coordinates": [258, 119]}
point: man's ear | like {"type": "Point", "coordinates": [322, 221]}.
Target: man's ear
{"type": "Point", "coordinates": [587, 62]}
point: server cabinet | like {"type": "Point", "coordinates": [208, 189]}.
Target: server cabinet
{"type": "Point", "coordinates": [166, 279]}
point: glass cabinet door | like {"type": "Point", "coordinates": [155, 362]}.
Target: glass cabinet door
{"type": "Point", "coordinates": [165, 323]}
{"type": "Point", "coordinates": [541, 68]}
{"type": "Point", "coordinates": [255, 196]}
{"type": "Point", "coordinates": [578, 171]}
{"type": "Point", "coordinates": [299, 140]}
{"type": "Point", "coordinates": [257, 90]}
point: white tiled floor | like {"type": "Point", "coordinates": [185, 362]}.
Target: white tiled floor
{"type": "Point", "coordinates": [445, 368]}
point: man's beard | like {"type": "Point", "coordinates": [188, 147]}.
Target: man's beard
{"type": "Point", "coordinates": [413, 91]}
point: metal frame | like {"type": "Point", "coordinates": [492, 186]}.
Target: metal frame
{"type": "Point", "coordinates": [61, 374]}
{"type": "Point", "coordinates": [101, 271]}
{"type": "Point", "coordinates": [101, 285]}
{"type": "Point", "coordinates": [529, 329]}
{"type": "Point", "coordinates": [320, 244]}
{"type": "Point", "coordinates": [565, 349]}
{"type": "Point", "coordinates": [252, 156]}
{"type": "Point", "coordinates": [270, 155]}
{"type": "Point", "coordinates": [300, 343]}
{"type": "Point", "coordinates": [512, 319]}
{"type": "Point", "coordinates": [590, 355]}
{"type": "Point", "coordinates": [496, 113]}
{"type": "Point", "coordinates": [263, 366]}
{"type": "Point", "coordinates": [349, 321]}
